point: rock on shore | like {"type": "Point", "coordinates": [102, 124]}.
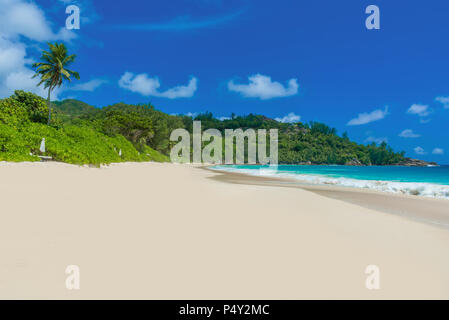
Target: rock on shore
{"type": "Point", "coordinates": [409, 162]}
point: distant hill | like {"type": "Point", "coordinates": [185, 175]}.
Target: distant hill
{"type": "Point", "coordinates": [143, 133]}
{"type": "Point", "coordinates": [299, 143]}
{"type": "Point", "coordinates": [74, 108]}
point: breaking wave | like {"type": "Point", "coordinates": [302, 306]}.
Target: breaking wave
{"type": "Point", "coordinates": [409, 188]}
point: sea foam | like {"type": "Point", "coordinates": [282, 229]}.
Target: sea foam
{"type": "Point", "coordinates": [409, 188]}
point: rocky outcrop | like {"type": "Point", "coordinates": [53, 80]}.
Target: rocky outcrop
{"type": "Point", "coordinates": [354, 162]}
{"type": "Point", "coordinates": [409, 162]}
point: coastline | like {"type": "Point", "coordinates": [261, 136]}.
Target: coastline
{"type": "Point", "coordinates": [166, 231]}
{"type": "Point", "coordinates": [423, 209]}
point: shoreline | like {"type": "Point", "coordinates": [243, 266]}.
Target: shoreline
{"type": "Point", "coordinates": [423, 209]}
{"type": "Point", "coordinates": [167, 231]}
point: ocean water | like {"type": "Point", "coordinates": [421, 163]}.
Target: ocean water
{"type": "Point", "coordinates": [422, 181]}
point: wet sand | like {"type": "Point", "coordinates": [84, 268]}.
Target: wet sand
{"type": "Point", "coordinates": [423, 209]}
{"type": "Point", "coordinates": [164, 231]}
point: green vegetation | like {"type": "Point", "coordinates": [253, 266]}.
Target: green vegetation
{"type": "Point", "coordinates": [73, 108]}
{"type": "Point", "coordinates": [83, 134]}
{"type": "Point", "coordinates": [22, 127]}
{"type": "Point", "coordinates": [52, 69]}
{"type": "Point", "coordinates": [313, 142]}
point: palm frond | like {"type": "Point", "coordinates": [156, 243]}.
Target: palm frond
{"type": "Point", "coordinates": [74, 74]}
{"type": "Point", "coordinates": [51, 68]}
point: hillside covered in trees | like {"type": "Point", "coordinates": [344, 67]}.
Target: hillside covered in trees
{"type": "Point", "coordinates": [82, 134]}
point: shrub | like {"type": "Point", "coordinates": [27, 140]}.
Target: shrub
{"type": "Point", "coordinates": [35, 106]}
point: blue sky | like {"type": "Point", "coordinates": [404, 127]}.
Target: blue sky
{"type": "Point", "coordinates": [285, 59]}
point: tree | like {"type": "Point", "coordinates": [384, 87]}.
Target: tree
{"type": "Point", "coordinates": [34, 105]}
{"type": "Point", "coordinates": [53, 69]}
{"type": "Point", "coordinates": [134, 126]}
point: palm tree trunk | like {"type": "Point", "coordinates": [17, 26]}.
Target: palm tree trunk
{"type": "Point", "coordinates": [49, 106]}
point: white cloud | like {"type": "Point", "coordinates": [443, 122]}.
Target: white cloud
{"type": "Point", "coordinates": [419, 150]}
{"type": "Point", "coordinates": [12, 56]}
{"type": "Point", "coordinates": [444, 101]}
{"type": "Point", "coordinates": [181, 91]}
{"type": "Point", "coordinates": [408, 133]}
{"type": "Point", "coordinates": [376, 140]}
{"type": "Point", "coordinates": [90, 86]}
{"type": "Point", "coordinates": [140, 83]}
{"type": "Point", "coordinates": [224, 118]}
{"type": "Point", "coordinates": [191, 114]}
{"type": "Point", "coordinates": [438, 151]}
{"type": "Point", "coordinates": [262, 87]}
{"type": "Point", "coordinates": [146, 86]}
{"type": "Point", "coordinates": [21, 19]}
{"type": "Point", "coordinates": [15, 73]}
{"type": "Point", "coordinates": [290, 118]}
{"type": "Point", "coordinates": [364, 118]}
{"type": "Point", "coordinates": [420, 110]}
{"type": "Point", "coordinates": [23, 80]}
{"type": "Point", "coordinates": [188, 114]}
{"type": "Point", "coordinates": [18, 17]}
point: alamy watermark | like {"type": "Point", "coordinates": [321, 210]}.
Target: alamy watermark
{"type": "Point", "coordinates": [373, 20]}
{"type": "Point", "coordinates": [72, 282]}
{"type": "Point", "coordinates": [207, 146]}
{"type": "Point", "coordinates": [73, 20]}
{"type": "Point", "coordinates": [373, 280]}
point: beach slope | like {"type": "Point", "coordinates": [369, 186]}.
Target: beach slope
{"type": "Point", "coordinates": [163, 231]}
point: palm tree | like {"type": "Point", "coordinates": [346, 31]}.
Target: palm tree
{"type": "Point", "coordinates": [52, 69]}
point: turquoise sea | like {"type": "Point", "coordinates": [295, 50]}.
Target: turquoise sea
{"type": "Point", "coordinates": [424, 181]}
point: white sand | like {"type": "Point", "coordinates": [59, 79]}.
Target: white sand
{"type": "Point", "coordinates": [162, 231]}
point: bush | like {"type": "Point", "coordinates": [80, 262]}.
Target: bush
{"type": "Point", "coordinates": [83, 134]}
{"type": "Point", "coordinates": [35, 106]}
{"type": "Point", "coordinates": [22, 118]}
{"type": "Point", "coordinates": [13, 146]}
{"type": "Point", "coordinates": [12, 113]}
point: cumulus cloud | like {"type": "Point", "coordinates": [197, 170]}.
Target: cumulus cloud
{"type": "Point", "coordinates": [20, 20]}
{"type": "Point", "coordinates": [438, 151]}
{"type": "Point", "coordinates": [181, 91]}
{"type": "Point", "coordinates": [290, 118]}
{"type": "Point", "coordinates": [18, 17]}
{"type": "Point", "coordinates": [420, 151]}
{"type": "Point", "coordinates": [419, 109]}
{"type": "Point", "coordinates": [147, 86]}
{"type": "Point", "coordinates": [444, 101]}
{"type": "Point", "coordinates": [408, 133]}
{"type": "Point", "coordinates": [15, 73]}
{"type": "Point", "coordinates": [264, 88]}
{"type": "Point", "coordinates": [376, 140]}
{"type": "Point", "coordinates": [364, 118]}
{"type": "Point", "coordinates": [90, 86]}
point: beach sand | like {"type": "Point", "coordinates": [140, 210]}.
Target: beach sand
{"type": "Point", "coordinates": [164, 231]}
{"type": "Point", "coordinates": [419, 208]}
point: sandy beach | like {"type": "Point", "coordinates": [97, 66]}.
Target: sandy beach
{"type": "Point", "coordinates": [165, 231]}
